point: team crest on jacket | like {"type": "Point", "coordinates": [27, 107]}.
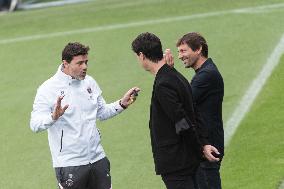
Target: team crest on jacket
{"type": "Point", "coordinates": [89, 90]}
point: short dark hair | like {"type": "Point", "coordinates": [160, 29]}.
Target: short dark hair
{"type": "Point", "coordinates": [148, 44]}
{"type": "Point", "coordinates": [74, 49]}
{"type": "Point", "coordinates": [194, 40]}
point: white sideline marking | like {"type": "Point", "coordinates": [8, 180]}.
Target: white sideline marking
{"type": "Point", "coordinates": [260, 8]}
{"type": "Point", "coordinates": [50, 4]}
{"type": "Point", "coordinates": [136, 24]}
{"type": "Point", "coordinates": [252, 92]}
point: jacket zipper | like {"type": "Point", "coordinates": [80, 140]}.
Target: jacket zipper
{"type": "Point", "coordinates": [61, 140]}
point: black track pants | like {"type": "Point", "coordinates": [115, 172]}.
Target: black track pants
{"type": "Point", "coordinates": [91, 176]}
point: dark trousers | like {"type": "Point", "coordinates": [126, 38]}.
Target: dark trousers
{"type": "Point", "coordinates": [208, 175]}
{"type": "Point", "coordinates": [5, 4]}
{"type": "Point", "coordinates": [179, 180]}
{"type": "Point", "coordinates": [91, 176]}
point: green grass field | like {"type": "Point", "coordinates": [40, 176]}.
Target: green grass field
{"type": "Point", "coordinates": [255, 158]}
{"type": "Point", "coordinates": [239, 42]}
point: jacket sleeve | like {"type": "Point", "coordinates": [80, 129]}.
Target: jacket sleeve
{"type": "Point", "coordinates": [172, 106]}
{"type": "Point", "coordinates": [106, 111]}
{"type": "Point", "coordinates": [41, 115]}
{"type": "Point", "coordinates": [202, 130]}
{"type": "Point", "coordinates": [200, 86]}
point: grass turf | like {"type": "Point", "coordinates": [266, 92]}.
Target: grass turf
{"type": "Point", "coordinates": [255, 157]}
{"type": "Point", "coordinates": [238, 42]}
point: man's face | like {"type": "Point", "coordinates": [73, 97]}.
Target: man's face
{"type": "Point", "coordinates": [77, 68]}
{"type": "Point", "coordinates": [187, 55]}
{"type": "Point", "coordinates": [141, 60]}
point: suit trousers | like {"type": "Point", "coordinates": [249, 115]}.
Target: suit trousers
{"type": "Point", "coordinates": [179, 180]}
{"type": "Point", "coordinates": [208, 175]}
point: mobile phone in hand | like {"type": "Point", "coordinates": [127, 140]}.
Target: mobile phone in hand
{"type": "Point", "coordinates": [134, 93]}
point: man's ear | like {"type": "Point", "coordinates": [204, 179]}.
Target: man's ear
{"type": "Point", "coordinates": [199, 50]}
{"type": "Point", "coordinates": [65, 63]}
{"type": "Point", "coordinates": [141, 56]}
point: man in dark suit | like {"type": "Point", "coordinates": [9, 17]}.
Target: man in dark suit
{"type": "Point", "coordinates": [208, 92]}
{"type": "Point", "coordinates": [176, 145]}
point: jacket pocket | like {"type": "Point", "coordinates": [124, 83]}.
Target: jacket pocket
{"type": "Point", "coordinates": [168, 142]}
{"type": "Point", "coordinates": [61, 141]}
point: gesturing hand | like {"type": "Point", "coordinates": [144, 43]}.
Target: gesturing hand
{"type": "Point", "coordinates": [58, 110]}
{"type": "Point", "coordinates": [168, 56]}
{"type": "Point", "coordinates": [130, 96]}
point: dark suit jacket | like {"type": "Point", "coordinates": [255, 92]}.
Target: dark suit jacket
{"type": "Point", "coordinates": [208, 92]}
{"type": "Point", "coordinates": [172, 119]}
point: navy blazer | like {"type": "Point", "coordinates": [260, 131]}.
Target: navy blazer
{"type": "Point", "coordinates": [208, 92]}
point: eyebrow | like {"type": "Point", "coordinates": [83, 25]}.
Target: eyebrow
{"type": "Point", "coordinates": [80, 62]}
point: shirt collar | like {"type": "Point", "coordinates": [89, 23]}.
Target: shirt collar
{"type": "Point", "coordinates": [204, 64]}
{"type": "Point", "coordinates": [163, 69]}
{"type": "Point", "coordinates": [64, 77]}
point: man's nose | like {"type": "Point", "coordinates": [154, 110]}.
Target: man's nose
{"type": "Point", "coordinates": [179, 56]}
{"type": "Point", "coordinates": [85, 65]}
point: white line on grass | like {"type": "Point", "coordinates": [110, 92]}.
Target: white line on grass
{"type": "Point", "coordinates": [252, 92]}
{"type": "Point", "coordinates": [260, 8]}
{"type": "Point", "coordinates": [49, 4]}
{"type": "Point", "coordinates": [136, 24]}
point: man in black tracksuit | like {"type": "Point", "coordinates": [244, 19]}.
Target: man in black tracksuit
{"type": "Point", "coordinates": [208, 91]}
{"type": "Point", "coordinates": [175, 145]}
